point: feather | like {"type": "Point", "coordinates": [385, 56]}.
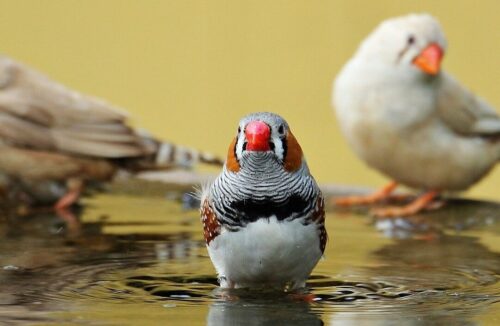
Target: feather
{"type": "Point", "coordinates": [463, 111]}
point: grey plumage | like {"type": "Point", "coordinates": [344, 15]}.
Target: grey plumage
{"type": "Point", "coordinates": [262, 179]}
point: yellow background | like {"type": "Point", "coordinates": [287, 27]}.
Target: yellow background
{"type": "Point", "coordinates": [188, 70]}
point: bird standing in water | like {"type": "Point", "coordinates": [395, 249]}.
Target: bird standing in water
{"type": "Point", "coordinates": [263, 217]}
{"type": "Point", "coordinates": [410, 120]}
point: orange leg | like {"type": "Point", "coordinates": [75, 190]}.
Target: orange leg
{"type": "Point", "coordinates": [63, 205]}
{"type": "Point", "coordinates": [306, 297]}
{"type": "Point", "coordinates": [74, 190]}
{"type": "Point", "coordinates": [425, 201]}
{"type": "Point", "coordinates": [378, 196]}
{"type": "Point", "coordinates": [68, 199]}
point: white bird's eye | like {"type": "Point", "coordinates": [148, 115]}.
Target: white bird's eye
{"type": "Point", "coordinates": [411, 39]}
{"type": "Point", "coordinates": [239, 130]}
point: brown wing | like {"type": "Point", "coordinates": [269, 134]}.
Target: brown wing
{"type": "Point", "coordinates": [211, 226]}
{"type": "Point", "coordinates": [464, 112]}
{"type": "Point", "coordinates": [38, 113]}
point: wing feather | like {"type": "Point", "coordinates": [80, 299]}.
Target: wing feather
{"type": "Point", "coordinates": [464, 112]}
{"type": "Point", "coordinates": [39, 113]}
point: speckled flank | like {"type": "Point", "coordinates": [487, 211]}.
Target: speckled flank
{"type": "Point", "coordinates": [211, 227]}
{"type": "Point", "coordinates": [318, 217]}
{"type": "Point", "coordinates": [323, 238]}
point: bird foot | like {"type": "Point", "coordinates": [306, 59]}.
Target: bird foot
{"type": "Point", "coordinates": [305, 297]}
{"type": "Point", "coordinates": [424, 202]}
{"type": "Point", "coordinates": [67, 200]}
{"type": "Point", "coordinates": [63, 209]}
{"type": "Point", "coordinates": [378, 196]}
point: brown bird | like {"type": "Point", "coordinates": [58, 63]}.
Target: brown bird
{"type": "Point", "coordinates": [407, 118]}
{"type": "Point", "coordinates": [54, 141]}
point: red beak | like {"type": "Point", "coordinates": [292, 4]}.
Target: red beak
{"type": "Point", "coordinates": [429, 60]}
{"type": "Point", "coordinates": [257, 134]}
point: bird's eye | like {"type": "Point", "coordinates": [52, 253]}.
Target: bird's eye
{"type": "Point", "coordinates": [281, 130]}
{"type": "Point", "coordinates": [411, 39]}
{"type": "Point", "coordinates": [239, 130]}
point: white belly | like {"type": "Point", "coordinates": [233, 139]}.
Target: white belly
{"type": "Point", "coordinates": [431, 158]}
{"type": "Point", "coordinates": [266, 252]}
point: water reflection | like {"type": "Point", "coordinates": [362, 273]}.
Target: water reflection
{"type": "Point", "coordinates": [148, 262]}
{"type": "Point", "coordinates": [458, 215]}
{"type": "Point", "coordinates": [270, 310]}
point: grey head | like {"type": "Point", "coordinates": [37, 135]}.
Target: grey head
{"type": "Point", "coordinates": [262, 134]}
{"type": "Point", "coordinates": [264, 137]}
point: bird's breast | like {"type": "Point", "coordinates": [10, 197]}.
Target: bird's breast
{"type": "Point", "coordinates": [250, 210]}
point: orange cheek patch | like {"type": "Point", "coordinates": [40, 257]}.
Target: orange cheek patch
{"type": "Point", "coordinates": [232, 163]}
{"type": "Point", "coordinates": [293, 159]}
{"type": "Point", "coordinates": [211, 227]}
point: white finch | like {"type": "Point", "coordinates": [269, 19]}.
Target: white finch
{"type": "Point", "coordinates": [410, 120]}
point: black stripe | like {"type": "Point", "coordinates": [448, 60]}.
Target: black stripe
{"type": "Point", "coordinates": [251, 210]}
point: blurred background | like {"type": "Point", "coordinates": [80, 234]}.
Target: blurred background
{"type": "Point", "coordinates": [189, 70]}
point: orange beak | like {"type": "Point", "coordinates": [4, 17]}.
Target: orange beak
{"type": "Point", "coordinates": [429, 60]}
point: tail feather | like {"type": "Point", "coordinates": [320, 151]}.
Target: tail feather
{"type": "Point", "coordinates": [172, 154]}
{"type": "Point", "coordinates": [167, 155]}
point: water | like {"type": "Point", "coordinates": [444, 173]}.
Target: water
{"type": "Point", "coordinates": [142, 260]}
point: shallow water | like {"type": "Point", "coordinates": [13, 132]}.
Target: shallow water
{"type": "Point", "coordinates": [141, 260]}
